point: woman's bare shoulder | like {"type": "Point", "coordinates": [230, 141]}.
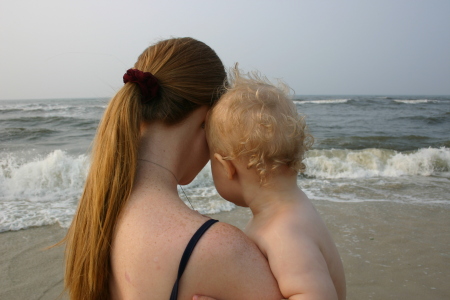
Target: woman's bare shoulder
{"type": "Point", "coordinates": [228, 265]}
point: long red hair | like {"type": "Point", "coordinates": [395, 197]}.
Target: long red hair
{"type": "Point", "coordinates": [190, 75]}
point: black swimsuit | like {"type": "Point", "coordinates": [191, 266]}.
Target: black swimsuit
{"type": "Point", "coordinates": [187, 253]}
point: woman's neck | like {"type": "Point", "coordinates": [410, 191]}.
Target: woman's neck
{"type": "Point", "coordinates": [158, 161]}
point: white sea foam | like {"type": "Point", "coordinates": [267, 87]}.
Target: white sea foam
{"type": "Point", "coordinates": [323, 101]}
{"type": "Point", "coordinates": [40, 192]}
{"type": "Point", "coordinates": [368, 163]}
{"type": "Point", "coordinates": [45, 190]}
{"type": "Point", "coordinates": [421, 190]}
{"type": "Point", "coordinates": [416, 101]}
{"type": "Point", "coordinates": [49, 109]}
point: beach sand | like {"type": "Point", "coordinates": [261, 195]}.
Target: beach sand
{"type": "Point", "coordinates": [389, 251]}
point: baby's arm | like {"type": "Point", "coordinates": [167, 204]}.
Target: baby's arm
{"type": "Point", "coordinates": [298, 264]}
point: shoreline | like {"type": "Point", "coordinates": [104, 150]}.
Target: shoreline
{"type": "Point", "coordinates": [389, 250]}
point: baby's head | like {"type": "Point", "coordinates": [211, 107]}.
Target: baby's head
{"type": "Point", "coordinates": [257, 123]}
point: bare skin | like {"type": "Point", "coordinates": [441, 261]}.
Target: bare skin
{"type": "Point", "coordinates": [156, 225]}
{"type": "Point", "coordinates": [287, 229]}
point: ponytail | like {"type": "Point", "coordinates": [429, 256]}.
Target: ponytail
{"type": "Point", "coordinates": [108, 186]}
{"type": "Point", "coordinates": [190, 75]}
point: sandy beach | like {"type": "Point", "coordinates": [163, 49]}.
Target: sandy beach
{"type": "Point", "coordinates": [389, 250]}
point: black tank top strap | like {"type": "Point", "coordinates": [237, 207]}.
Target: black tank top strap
{"type": "Point", "coordinates": [187, 254]}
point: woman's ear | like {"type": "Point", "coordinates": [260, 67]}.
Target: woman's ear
{"type": "Point", "coordinates": [227, 165]}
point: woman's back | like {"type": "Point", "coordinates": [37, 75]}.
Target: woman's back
{"type": "Point", "coordinates": [150, 239]}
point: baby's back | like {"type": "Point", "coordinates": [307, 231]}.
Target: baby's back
{"type": "Point", "coordinates": [301, 252]}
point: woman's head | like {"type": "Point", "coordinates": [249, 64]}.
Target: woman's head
{"type": "Point", "coordinates": [190, 75]}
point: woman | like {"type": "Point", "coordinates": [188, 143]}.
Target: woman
{"type": "Point", "coordinates": [131, 228]}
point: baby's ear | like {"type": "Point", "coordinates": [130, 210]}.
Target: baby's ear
{"type": "Point", "coordinates": [227, 165]}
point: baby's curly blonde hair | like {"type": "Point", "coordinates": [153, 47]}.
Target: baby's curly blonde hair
{"type": "Point", "coordinates": [258, 122]}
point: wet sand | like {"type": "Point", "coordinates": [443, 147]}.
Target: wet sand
{"type": "Point", "coordinates": [27, 270]}
{"type": "Point", "coordinates": [389, 251]}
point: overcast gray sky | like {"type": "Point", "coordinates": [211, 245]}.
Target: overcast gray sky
{"type": "Point", "coordinates": [75, 49]}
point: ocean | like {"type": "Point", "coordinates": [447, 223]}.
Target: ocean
{"type": "Point", "coordinates": [367, 149]}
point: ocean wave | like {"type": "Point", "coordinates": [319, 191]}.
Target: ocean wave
{"type": "Point", "coordinates": [415, 190]}
{"type": "Point", "coordinates": [415, 101]}
{"type": "Point", "coordinates": [41, 191]}
{"type": "Point", "coordinates": [27, 134]}
{"type": "Point", "coordinates": [35, 107]}
{"type": "Point", "coordinates": [397, 143]}
{"type": "Point", "coordinates": [45, 189]}
{"type": "Point", "coordinates": [6, 111]}
{"type": "Point", "coordinates": [336, 163]}
{"type": "Point", "coordinates": [52, 110]}
{"type": "Point", "coordinates": [54, 121]}
{"type": "Point", "coordinates": [323, 101]}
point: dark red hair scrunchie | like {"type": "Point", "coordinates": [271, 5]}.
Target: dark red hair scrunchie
{"type": "Point", "coordinates": [148, 83]}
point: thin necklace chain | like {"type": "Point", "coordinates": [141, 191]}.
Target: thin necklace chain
{"type": "Point", "coordinates": [149, 161]}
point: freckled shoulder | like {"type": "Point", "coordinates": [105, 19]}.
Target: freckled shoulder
{"type": "Point", "coordinates": [231, 265]}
